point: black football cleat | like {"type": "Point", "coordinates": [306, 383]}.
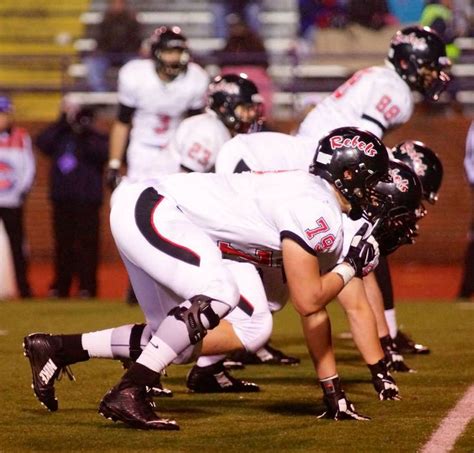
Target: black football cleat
{"type": "Point", "coordinates": [44, 351]}
{"type": "Point", "coordinates": [216, 379]}
{"type": "Point", "coordinates": [131, 406]}
{"type": "Point", "coordinates": [407, 346]}
{"type": "Point", "coordinates": [267, 355]}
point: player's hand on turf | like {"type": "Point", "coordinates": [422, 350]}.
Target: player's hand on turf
{"type": "Point", "coordinates": [338, 407]}
{"type": "Point", "coordinates": [112, 178]}
{"type": "Point", "coordinates": [363, 254]}
{"type": "Point", "coordinates": [385, 386]}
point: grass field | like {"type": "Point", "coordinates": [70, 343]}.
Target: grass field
{"type": "Point", "coordinates": [282, 417]}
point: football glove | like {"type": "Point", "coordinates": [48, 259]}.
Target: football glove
{"type": "Point", "coordinates": [112, 178]}
{"type": "Point", "coordinates": [393, 358]}
{"type": "Point", "coordinates": [363, 254]}
{"type": "Point", "coordinates": [338, 407]}
{"type": "Point", "coordinates": [383, 382]}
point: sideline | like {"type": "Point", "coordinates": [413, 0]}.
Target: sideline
{"type": "Point", "coordinates": [452, 426]}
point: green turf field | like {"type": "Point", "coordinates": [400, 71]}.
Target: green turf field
{"type": "Point", "coordinates": [282, 417]}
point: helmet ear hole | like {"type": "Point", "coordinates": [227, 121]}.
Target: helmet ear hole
{"type": "Point", "coordinates": [348, 174]}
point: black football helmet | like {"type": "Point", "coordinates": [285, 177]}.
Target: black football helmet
{"type": "Point", "coordinates": [169, 38]}
{"type": "Point", "coordinates": [425, 163]}
{"type": "Point", "coordinates": [354, 161]}
{"type": "Point", "coordinates": [418, 54]}
{"type": "Point", "coordinates": [401, 195]}
{"type": "Point", "coordinates": [229, 91]}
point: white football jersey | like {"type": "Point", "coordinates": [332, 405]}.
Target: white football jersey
{"type": "Point", "coordinates": [198, 140]}
{"type": "Point", "coordinates": [266, 151]}
{"type": "Point", "coordinates": [159, 108]}
{"type": "Point", "coordinates": [249, 214]}
{"type": "Point", "coordinates": [374, 99]}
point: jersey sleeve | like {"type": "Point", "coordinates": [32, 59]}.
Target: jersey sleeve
{"type": "Point", "coordinates": [311, 224]}
{"type": "Point", "coordinates": [387, 105]}
{"type": "Point", "coordinates": [127, 90]}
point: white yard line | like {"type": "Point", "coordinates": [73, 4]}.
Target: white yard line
{"type": "Point", "coordinates": [452, 426]}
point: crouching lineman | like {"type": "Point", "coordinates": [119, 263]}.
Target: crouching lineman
{"type": "Point", "coordinates": [167, 234]}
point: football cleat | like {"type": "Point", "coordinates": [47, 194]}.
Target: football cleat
{"type": "Point", "coordinates": [407, 346]}
{"type": "Point", "coordinates": [44, 351]}
{"type": "Point", "coordinates": [131, 406]}
{"type": "Point", "coordinates": [267, 355]}
{"type": "Point", "coordinates": [216, 379]}
{"type": "Point", "coordinates": [156, 391]}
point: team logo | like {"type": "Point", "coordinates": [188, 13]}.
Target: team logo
{"type": "Point", "coordinates": [226, 87]}
{"type": "Point", "coordinates": [417, 42]}
{"type": "Point", "coordinates": [401, 183]}
{"type": "Point", "coordinates": [409, 149]}
{"type": "Point", "coordinates": [338, 141]}
{"type": "Point", "coordinates": [7, 176]}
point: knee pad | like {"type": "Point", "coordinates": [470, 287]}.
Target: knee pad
{"type": "Point", "coordinates": [198, 317]}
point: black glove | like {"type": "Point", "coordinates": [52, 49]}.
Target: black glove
{"type": "Point", "coordinates": [363, 254]}
{"type": "Point", "coordinates": [383, 382]}
{"type": "Point", "coordinates": [393, 358]}
{"type": "Point", "coordinates": [112, 178]}
{"type": "Point", "coordinates": [340, 408]}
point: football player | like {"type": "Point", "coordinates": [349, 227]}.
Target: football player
{"type": "Point", "coordinates": [234, 107]}
{"type": "Point", "coordinates": [167, 236]}
{"type": "Point", "coordinates": [154, 94]}
{"type": "Point", "coordinates": [429, 169]}
{"type": "Point", "coordinates": [380, 97]}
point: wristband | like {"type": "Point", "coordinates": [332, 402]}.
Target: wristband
{"type": "Point", "coordinates": [345, 271]}
{"type": "Point", "coordinates": [114, 164]}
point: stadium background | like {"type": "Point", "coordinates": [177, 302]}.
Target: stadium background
{"type": "Point", "coordinates": [41, 43]}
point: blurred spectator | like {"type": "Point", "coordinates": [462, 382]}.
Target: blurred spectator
{"type": "Point", "coordinates": [17, 171]}
{"type": "Point", "coordinates": [244, 52]}
{"type": "Point", "coordinates": [467, 284]}
{"type": "Point", "coordinates": [78, 154]}
{"type": "Point", "coordinates": [316, 14]}
{"type": "Point", "coordinates": [118, 41]}
{"type": "Point", "coordinates": [406, 11]}
{"type": "Point", "coordinates": [249, 10]}
{"type": "Point", "coordinates": [438, 15]}
{"type": "Point", "coordinates": [373, 14]}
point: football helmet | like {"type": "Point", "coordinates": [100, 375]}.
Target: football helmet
{"type": "Point", "coordinates": [425, 163]}
{"type": "Point", "coordinates": [228, 92]}
{"type": "Point", "coordinates": [166, 39]}
{"type": "Point", "coordinates": [418, 54]}
{"type": "Point", "coordinates": [354, 161]}
{"type": "Point", "coordinates": [401, 195]}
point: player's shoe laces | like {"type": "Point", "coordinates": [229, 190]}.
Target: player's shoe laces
{"type": "Point", "coordinates": [216, 379]}
{"type": "Point", "coordinates": [407, 346]}
{"type": "Point", "coordinates": [44, 352]}
{"type": "Point", "coordinates": [266, 355]}
{"type": "Point", "coordinates": [129, 404]}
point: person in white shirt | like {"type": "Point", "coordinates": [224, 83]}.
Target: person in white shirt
{"type": "Point", "coordinates": [234, 107]}
{"type": "Point", "coordinates": [17, 172]}
{"type": "Point", "coordinates": [379, 98]}
{"type": "Point", "coordinates": [154, 95]}
{"type": "Point", "coordinates": [171, 234]}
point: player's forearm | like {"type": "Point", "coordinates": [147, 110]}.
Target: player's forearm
{"type": "Point", "coordinates": [317, 332]}
{"type": "Point", "coordinates": [118, 140]}
{"type": "Point", "coordinates": [362, 321]}
{"type": "Point", "coordinates": [375, 298]}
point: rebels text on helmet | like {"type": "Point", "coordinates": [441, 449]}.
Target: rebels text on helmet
{"type": "Point", "coordinates": [338, 141]}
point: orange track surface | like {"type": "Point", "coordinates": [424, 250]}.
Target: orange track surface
{"type": "Point", "coordinates": [410, 281]}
